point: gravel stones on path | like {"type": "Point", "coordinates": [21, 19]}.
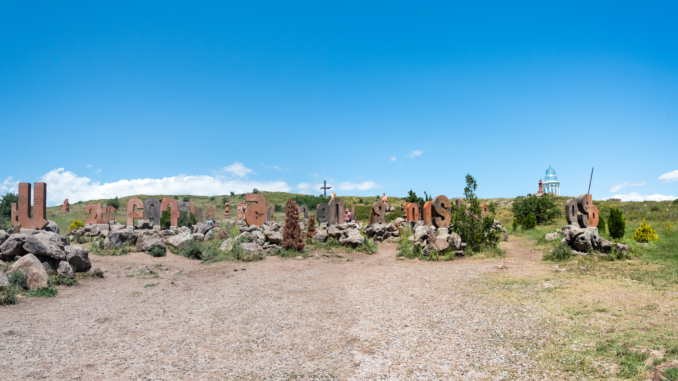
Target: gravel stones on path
{"type": "Point", "coordinates": [373, 317]}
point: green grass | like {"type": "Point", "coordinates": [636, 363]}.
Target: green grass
{"type": "Point", "coordinates": [151, 285]}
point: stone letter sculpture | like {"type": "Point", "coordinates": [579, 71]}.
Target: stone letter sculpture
{"type": "Point", "coordinates": [412, 212]}
{"type": "Point", "coordinates": [174, 214]}
{"type": "Point", "coordinates": [212, 212]}
{"type": "Point", "coordinates": [571, 211]}
{"type": "Point", "coordinates": [185, 207]}
{"type": "Point", "coordinates": [255, 214]}
{"type": "Point", "coordinates": [66, 207]}
{"type": "Point", "coordinates": [131, 213]}
{"type": "Point", "coordinates": [589, 216]}
{"type": "Point", "coordinates": [21, 214]}
{"type": "Point", "coordinates": [440, 212]}
{"type": "Point", "coordinates": [98, 214]}
{"type": "Point", "coordinates": [304, 208]}
{"type": "Point", "coordinates": [152, 210]}
{"type": "Point", "coordinates": [336, 212]}
{"type": "Point", "coordinates": [378, 213]}
{"type": "Point", "coordinates": [427, 213]}
{"type": "Point", "coordinates": [196, 212]}
{"type": "Point", "coordinates": [485, 209]}
{"type": "Point", "coordinates": [321, 212]}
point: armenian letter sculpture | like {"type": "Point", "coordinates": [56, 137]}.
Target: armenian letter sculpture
{"type": "Point", "coordinates": [174, 215]}
{"type": "Point", "coordinates": [131, 212]}
{"type": "Point", "coordinates": [21, 213]}
{"type": "Point", "coordinates": [378, 213]}
{"type": "Point", "coordinates": [152, 210]}
{"type": "Point", "coordinates": [588, 218]}
{"type": "Point", "coordinates": [440, 212]}
{"type": "Point", "coordinates": [255, 214]}
{"type": "Point", "coordinates": [336, 212]}
{"type": "Point", "coordinates": [98, 214]}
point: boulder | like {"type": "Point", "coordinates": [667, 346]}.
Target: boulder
{"type": "Point", "coordinates": [205, 228]}
{"type": "Point", "coordinates": [259, 237]}
{"type": "Point", "coordinates": [13, 246]}
{"type": "Point", "coordinates": [47, 244]}
{"type": "Point", "coordinates": [441, 242]}
{"type": "Point", "coordinates": [3, 280]}
{"type": "Point", "coordinates": [551, 236]}
{"type": "Point", "coordinates": [148, 241]}
{"type": "Point", "coordinates": [198, 236]}
{"type": "Point", "coordinates": [334, 232]}
{"type": "Point", "coordinates": [454, 240]}
{"type": "Point", "coordinates": [227, 245]}
{"type": "Point", "coordinates": [250, 247]}
{"type": "Point", "coordinates": [209, 235]}
{"type": "Point", "coordinates": [3, 236]}
{"type": "Point", "coordinates": [120, 238]}
{"type": "Point", "coordinates": [273, 236]}
{"type": "Point", "coordinates": [30, 266]}
{"type": "Point", "coordinates": [604, 245]}
{"type": "Point", "coordinates": [582, 243]}
{"type": "Point", "coordinates": [144, 224]}
{"type": "Point", "coordinates": [445, 231]}
{"type": "Point", "coordinates": [185, 230]}
{"type": "Point", "coordinates": [78, 258]}
{"type": "Point", "coordinates": [65, 270]}
{"type": "Point", "coordinates": [425, 232]}
{"type": "Point", "coordinates": [182, 239]}
{"type": "Point", "coordinates": [351, 238]}
{"type": "Point", "coordinates": [620, 248]}
{"type": "Point", "coordinates": [96, 271]}
{"type": "Point", "coordinates": [52, 227]}
{"type": "Point", "coordinates": [320, 236]}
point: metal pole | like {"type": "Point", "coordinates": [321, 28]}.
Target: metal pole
{"type": "Point", "coordinates": [591, 179]}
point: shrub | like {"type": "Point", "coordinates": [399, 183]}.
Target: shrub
{"type": "Point", "coordinates": [192, 250]}
{"type": "Point", "coordinates": [671, 374]}
{"type": "Point", "coordinates": [6, 208]}
{"type": "Point", "coordinates": [185, 219]}
{"type": "Point", "coordinates": [645, 233]}
{"type": "Point", "coordinates": [310, 201]}
{"type": "Point", "coordinates": [255, 190]}
{"type": "Point", "coordinates": [232, 193]}
{"type": "Point", "coordinates": [114, 202]}
{"type": "Point", "coordinates": [529, 222]}
{"type": "Point", "coordinates": [544, 209]}
{"type": "Point", "coordinates": [616, 224]}
{"type": "Point", "coordinates": [17, 279]}
{"type": "Point", "coordinates": [186, 199]}
{"type": "Point", "coordinates": [166, 219]}
{"type": "Point", "coordinates": [560, 253]}
{"type": "Point", "coordinates": [514, 224]}
{"type": "Point", "coordinates": [278, 208]}
{"type": "Point", "coordinates": [43, 292]}
{"type": "Point", "coordinates": [310, 231]}
{"type": "Point", "coordinates": [8, 295]}
{"type": "Point", "coordinates": [391, 216]}
{"type": "Point", "coordinates": [601, 225]}
{"type": "Point", "coordinates": [212, 198]}
{"type": "Point", "coordinates": [654, 208]}
{"type": "Point", "coordinates": [157, 252]}
{"type": "Point", "coordinates": [474, 228]}
{"type": "Point", "coordinates": [76, 224]}
{"type": "Point", "coordinates": [291, 230]}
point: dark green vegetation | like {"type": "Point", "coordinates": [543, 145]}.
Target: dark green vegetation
{"type": "Point", "coordinates": [473, 228]}
{"type": "Point", "coordinates": [543, 209]}
{"type": "Point", "coordinates": [617, 225]}
{"type": "Point", "coordinates": [17, 285]}
{"type": "Point", "coordinates": [6, 209]}
{"type": "Point", "coordinates": [529, 222]}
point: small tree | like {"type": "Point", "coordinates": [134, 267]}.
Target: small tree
{"type": "Point", "coordinates": [114, 202]}
{"type": "Point", "coordinates": [310, 231]}
{"type": "Point", "coordinates": [645, 233]}
{"type": "Point", "coordinates": [292, 231]}
{"type": "Point", "coordinates": [255, 190]}
{"type": "Point", "coordinates": [232, 193]}
{"type": "Point", "coordinates": [474, 228]}
{"type": "Point", "coordinates": [186, 199]}
{"type": "Point", "coordinates": [601, 225]}
{"type": "Point", "coordinates": [543, 209]}
{"type": "Point", "coordinates": [514, 224]}
{"type": "Point", "coordinates": [616, 224]}
{"type": "Point", "coordinates": [529, 222]}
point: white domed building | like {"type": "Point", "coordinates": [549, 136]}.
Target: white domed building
{"type": "Point", "coordinates": [551, 184]}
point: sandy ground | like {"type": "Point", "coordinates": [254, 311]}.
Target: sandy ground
{"type": "Point", "coordinates": [354, 317]}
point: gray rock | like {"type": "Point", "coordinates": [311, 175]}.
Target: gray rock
{"type": "Point", "coordinates": [148, 241]}
{"type": "Point", "coordinates": [182, 239]}
{"type": "Point", "coordinates": [454, 240]}
{"type": "Point", "coordinates": [205, 228]}
{"type": "Point", "coordinates": [120, 238]}
{"type": "Point", "coordinates": [334, 231]}
{"type": "Point", "coordinates": [209, 235]}
{"type": "Point", "coordinates": [320, 236]}
{"type": "Point", "coordinates": [65, 270]}
{"type": "Point", "coordinates": [52, 227]}
{"type": "Point", "coordinates": [250, 247]}
{"type": "Point", "coordinates": [3, 236]}
{"type": "Point", "coordinates": [441, 242]}
{"type": "Point", "coordinates": [3, 280]}
{"type": "Point", "coordinates": [35, 273]}
{"type": "Point", "coordinates": [245, 237]}
{"type": "Point", "coordinates": [582, 243]}
{"type": "Point", "coordinates": [47, 267]}
{"type": "Point", "coordinates": [351, 238]}
{"type": "Point", "coordinates": [78, 258]}
{"type": "Point", "coordinates": [13, 246]}
{"type": "Point", "coordinates": [442, 231]}
{"type": "Point", "coordinates": [604, 245]}
{"type": "Point", "coordinates": [273, 236]}
{"type": "Point", "coordinates": [227, 245]}
{"type": "Point", "coordinates": [259, 237]}
{"type": "Point", "coordinates": [551, 236]}
{"type": "Point", "coordinates": [425, 232]}
{"type": "Point", "coordinates": [185, 230]}
{"type": "Point", "coordinates": [620, 248]}
{"type": "Point", "coordinates": [144, 224]}
{"type": "Point", "coordinates": [198, 236]}
{"type": "Point", "coordinates": [96, 271]}
{"type": "Point", "coordinates": [48, 244]}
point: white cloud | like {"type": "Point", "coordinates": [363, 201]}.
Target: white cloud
{"type": "Point", "coordinates": [635, 196]}
{"type": "Point", "coordinates": [237, 169]}
{"type": "Point", "coordinates": [414, 154]}
{"type": "Point", "coordinates": [275, 167]}
{"type": "Point", "coordinates": [89, 165]}
{"type": "Point", "coordinates": [97, 171]}
{"type": "Point", "coordinates": [669, 177]}
{"type": "Point", "coordinates": [358, 186]}
{"type": "Point", "coordinates": [9, 185]}
{"type": "Point", "coordinates": [393, 158]}
{"type": "Point", "coordinates": [315, 175]}
{"type": "Point", "coordinates": [65, 184]}
{"type": "Point", "coordinates": [618, 187]}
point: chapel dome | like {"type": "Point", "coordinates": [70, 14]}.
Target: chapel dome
{"type": "Point", "coordinates": [551, 174]}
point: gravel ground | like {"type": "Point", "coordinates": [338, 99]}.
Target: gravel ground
{"type": "Point", "coordinates": [355, 317]}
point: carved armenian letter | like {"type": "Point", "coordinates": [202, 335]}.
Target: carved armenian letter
{"type": "Point", "coordinates": [440, 211]}
{"type": "Point", "coordinates": [152, 210]}
{"type": "Point", "coordinates": [131, 212]}
{"type": "Point", "coordinates": [255, 214]}
{"type": "Point", "coordinates": [321, 212]}
{"type": "Point", "coordinates": [378, 213]}
{"type": "Point", "coordinates": [21, 213]}
{"type": "Point", "coordinates": [174, 215]}
{"type": "Point", "coordinates": [427, 213]}
{"type": "Point", "coordinates": [336, 212]}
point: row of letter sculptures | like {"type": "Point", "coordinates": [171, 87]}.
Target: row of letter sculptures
{"type": "Point", "coordinates": [589, 213]}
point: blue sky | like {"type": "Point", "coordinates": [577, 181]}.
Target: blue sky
{"type": "Point", "coordinates": [103, 99]}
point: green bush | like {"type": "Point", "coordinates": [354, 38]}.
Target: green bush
{"type": "Point", "coordinates": [186, 199]}
{"type": "Point", "coordinates": [76, 224]}
{"type": "Point", "coordinates": [310, 201]}
{"type": "Point", "coordinates": [114, 202]}
{"type": "Point", "coordinates": [391, 216]}
{"type": "Point", "coordinates": [278, 208]}
{"type": "Point", "coordinates": [212, 198]}
{"type": "Point", "coordinates": [362, 213]}
{"type": "Point", "coordinates": [671, 374]}
{"type": "Point", "coordinates": [8, 295]}
{"type": "Point", "coordinates": [6, 209]}
{"type": "Point", "coordinates": [185, 219]}
{"type": "Point", "coordinates": [474, 228]}
{"type": "Point", "coordinates": [157, 252]}
{"type": "Point", "coordinates": [166, 218]}
{"type": "Point", "coordinates": [18, 279]}
{"type": "Point", "coordinates": [616, 224]}
{"type": "Point", "coordinates": [601, 224]}
{"type": "Point", "coordinates": [192, 250]}
{"type": "Point", "coordinates": [58, 280]}
{"type": "Point", "coordinates": [529, 222]}
{"type": "Point", "coordinates": [514, 224]}
{"type": "Point", "coordinates": [560, 253]}
{"type": "Point", "coordinates": [43, 292]}
{"type": "Point", "coordinates": [544, 209]}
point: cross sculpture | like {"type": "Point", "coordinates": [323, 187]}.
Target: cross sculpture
{"type": "Point", "coordinates": [325, 188]}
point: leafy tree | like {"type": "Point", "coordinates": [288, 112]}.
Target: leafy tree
{"type": "Point", "coordinates": [645, 233]}
{"type": "Point", "coordinates": [114, 202]}
{"type": "Point", "coordinates": [601, 224]}
{"type": "Point", "coordinates": [232, 194]}
{"type": "Point", "coordinates": [529, 222]}
{"type": "Point", "coordinates": [310, 201]}
{"type": "Point", "coordinates": [186, 199]}
{"type": "Point", "coordinates": [278, 208]}
{"type": "Point", "coordinates": [470, 224]}
{"type": "Point", "coordinates": [616, 224]}
{"type": "Point", "coordinates": [255, 190]}
{"type": "Point", "coordinates": [6, 208]}
{"type": "Point", "coordinates": [212, 198]}
{"type": "Point", "coordinates": [543, 209]}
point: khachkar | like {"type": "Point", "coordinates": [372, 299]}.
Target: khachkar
{"type": "Point", "coordinates": [589, 213]}
{"type": "Point", "coordinates": [66, 207]}
{"type": "Point", "coordinates": [227, 212]}
{"type": "Point", "coordinates": [21, 213]}
{"type": "Point", "coordinates": [98, 214]}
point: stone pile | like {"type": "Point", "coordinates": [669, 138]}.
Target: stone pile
{"type": "Point", "coordinates": [386, 232]}
{"type": "Point", "coordinates": [253, 239]}
{"type": "Point", "coordinates": [585, 240]}
{"type": "Point", "coordinates": [431, 239]}
{"type": "Point", "coordinates": [37, 253]}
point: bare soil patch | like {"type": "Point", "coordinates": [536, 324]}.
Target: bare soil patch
{"type": "Point", "coordinates": [353, 316]}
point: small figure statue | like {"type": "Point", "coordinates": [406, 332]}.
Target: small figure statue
{"type": "Point", "coordinates": [384, 198]}
{"type": "Point", "coordinates": [66, 206]}
{"type": "Point", "coordinates": [334, 195]}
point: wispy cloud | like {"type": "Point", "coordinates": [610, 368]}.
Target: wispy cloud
{"type": "Point", "coordinates": [618, 187]}
{"type": "Point", "coordinates": [358, 186]}
{"type": "Point", "coordinates": [393, 158]}
{"type": "Point", "coordinates": [9, 185]}
{"type": "Point", "coordinates": [275, 167]}
{"type": "Point", "coordinates": [414, 154]}
{"type": "Point", "coordinates": [237, 169]}
{"type": "Point", "coordinates": [89, 165]}
{"type": "Point", "coordinates": [65, 184]}
{"type": "Point", "coordinates": [669, 177]}
{"type": "Point", "coordinates": [97, 171]}
{"type": "Point", "coordinates": [635, 196]}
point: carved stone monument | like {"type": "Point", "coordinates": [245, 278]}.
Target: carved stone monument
{"type": "Point", "coordinates": [440, 212]}
{"type": "Point", "coordinates": [242, 207]}
{"type": "Point", "coordinates": [336, 211]}
{"type": "Point", "coordinates": [427, 214]}
{"type": "Point", "coordinates": [174, 206]}
{"type": "Point", "coordinates": [378, 213]}
{"type": "Point", "coordinates": [227, 212]}
{"type": "Point", "coordinates": [541, 189]}
{"type": "Point", "coordinates": [384, 198]}
{"type": "Point", "coordinates": [211, 213]}
{"type": "Point", "coordinates": [589, 216]}
{"type": "Point", "coordinates": [185, 207]}
{"type": "Point", "coordinates": [485, 210]}
{"type": "Point", "coordinates": [21, 214]}
{"type": "Point", "coordinates": [304, 209]}
{"type": "Point", "coordinates": [152, 210]}
{"type": "Point", "coordinates": [412, 212]}
{"type": "Point", "coordinates": [196, 212]}
{"type": "Point", "coordinates": [66, 207]}
{"type": "Point", "coordinates": [321, 212]}
{"type": "Point", "coordinates": [98, 214]}
{"type": "Point", "coordinates": [131, 212]}
{"type": "Point", "coordinates": [255, 214]}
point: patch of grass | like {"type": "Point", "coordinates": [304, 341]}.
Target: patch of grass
{"type": "Point", "coordinates": [43, 292]}
{"type": "Point", "coordinates": [58, 280]}
{"type": "Point", "coordinates": [130, 275]}
{"type": "Point", "coordinates": [98, 248]}
{"type": "Point", "coordinates": [671, 374]}
{"type": "Point", "coordinates": [8, 295]}
{"type": "Point", "coordinates": [558, 253]}
{"type": "Point", "coordinates": [157, 252]}
{"type": "Point", "coordinates": [490, 252]}
{"type": "Point", "coordinates": [151, 285]}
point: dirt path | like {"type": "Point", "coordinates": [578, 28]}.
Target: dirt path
{"type": "Point", "coordinates": [358, 317]}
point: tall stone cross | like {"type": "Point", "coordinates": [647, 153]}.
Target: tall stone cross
{"type": "Point", "coordinates": [325, 188]}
